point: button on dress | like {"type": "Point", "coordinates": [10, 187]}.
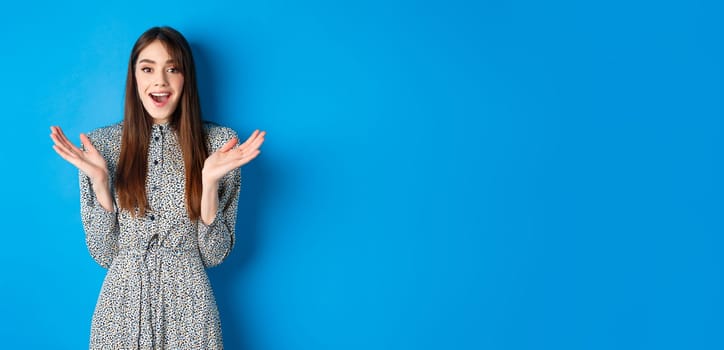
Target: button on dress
{"type": "Point", "coordinates": [156, 294]}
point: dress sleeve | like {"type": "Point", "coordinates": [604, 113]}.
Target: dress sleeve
{"type": "Point", "coordinates": [100, 226]}
{"type": "Point", "coordinates": [217, 238]}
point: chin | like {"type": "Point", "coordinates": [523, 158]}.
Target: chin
{"type": "Point", "coordinates": [157, 120]}
{"type": "Point", "coordinates": [159, 116]}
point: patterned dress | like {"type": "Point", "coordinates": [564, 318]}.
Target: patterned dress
{"type": "Point", "coordinates": [156, 294]}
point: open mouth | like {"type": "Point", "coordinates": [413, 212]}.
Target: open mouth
{"type": "Point", "coordinates": [159, 98]}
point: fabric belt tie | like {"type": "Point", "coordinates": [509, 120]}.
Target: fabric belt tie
{"type": "Point", "coordinates": [151, 309]}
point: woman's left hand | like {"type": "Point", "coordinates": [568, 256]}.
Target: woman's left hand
{"type": "Point", "coordinates": [228, 158]}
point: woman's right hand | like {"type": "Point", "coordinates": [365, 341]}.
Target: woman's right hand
{"type": "Point", "coordinates": [90, 161]}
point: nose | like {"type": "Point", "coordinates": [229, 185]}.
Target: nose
{"type": "Point", "coordinates": [161, 80]}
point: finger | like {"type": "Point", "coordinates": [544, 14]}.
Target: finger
{"type": "Point", "coordinates": [256, 138]}
{"type": "Point", "coordinates": [71, 148]}
{"type": "Point", "coordinates": [232, 164]}
{"type": "Point", "coordinates": [57, 135]}
{"type": "Point", "coordinates": [62, 136]}
{"type": "Point", "coordinates": [55, 129]}
{"type": "Point", "coordinates": [239, 156]}
{"type": "Point", "coordinates": [70, 158]}
{"type": "Point", "coordinates": [61, 152]}
{"type": "Point", "coordinates": [259, 140]}
{"type": "Point", "coordinates": [247, 158]}
{"type": "Point", "coordinates": [66, 143]}
{"type": "Point", "coordinates": [87, 144]}
{"type": "Point", "coordinates": [62, 144]}
{"type": "Point", "coordinates": [255, 144]}
{"type": "Point", "coordinates": [228, 145]}
{"type": "Point", "coordinates": [74, 160]}
{"type": "Point", "coordinates": [237, 163]}
{"type": "Point", "coordinates": [250, 138]}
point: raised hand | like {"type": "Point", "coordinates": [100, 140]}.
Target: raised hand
{"type": "Point", "coordinates": [228, 157]}
{"type": "Point", "coordinates": [90, 161]}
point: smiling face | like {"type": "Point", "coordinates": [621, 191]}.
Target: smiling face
{"type": "Point", "coordinates": [159, 82]}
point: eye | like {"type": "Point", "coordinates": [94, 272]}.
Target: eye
{"type": "Point", "coordinates": [172, 70]}
{"type": "Point", "coordinates": [146, 69]}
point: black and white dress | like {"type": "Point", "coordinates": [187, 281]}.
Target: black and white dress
{"type": "Point", "coordinates": [156, 294]}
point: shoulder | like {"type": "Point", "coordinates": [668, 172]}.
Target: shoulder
{"type": "Point", "coordinates": [217, 135]}
{"type": "Point", "coordinates": [107, 138]}
{"type": "Point", "coordinates": [106, 133]}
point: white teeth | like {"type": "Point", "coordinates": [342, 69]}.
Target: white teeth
{"type": "Point", "coordinates": [159, 94]}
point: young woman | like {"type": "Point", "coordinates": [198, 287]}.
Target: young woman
{"type": "Point", "coordinates": [159, 195]}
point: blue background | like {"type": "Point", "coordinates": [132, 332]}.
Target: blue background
{"type": "Point", "coordinates": [437, 174]}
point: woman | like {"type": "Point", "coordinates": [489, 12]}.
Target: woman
{"type": "Point", "coordinates": [159, 195]}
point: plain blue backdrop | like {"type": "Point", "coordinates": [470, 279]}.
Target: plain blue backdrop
{"type": "Point", "coordinates": [437, 174]}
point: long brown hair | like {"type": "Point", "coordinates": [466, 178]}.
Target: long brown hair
{"type": "Point", "coordinates": [186, 121]}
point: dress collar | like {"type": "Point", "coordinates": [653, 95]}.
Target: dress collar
{"type": "Point", "coordinates": [160, 127]}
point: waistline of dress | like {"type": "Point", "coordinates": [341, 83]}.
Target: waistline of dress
{"type": "Point", "coordinates": [175, 251]}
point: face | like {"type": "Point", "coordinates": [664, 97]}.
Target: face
{"type": "Point", "coordinates": [159, 82]}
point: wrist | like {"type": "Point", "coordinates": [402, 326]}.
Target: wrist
{"type": "Point", "coordinates": [100, 182]}
{"type": "Point", "coordinates": [209, 183]}
{"type": "Point", "coordinates": [207, 179]}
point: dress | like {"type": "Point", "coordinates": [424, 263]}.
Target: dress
{"type": "Point", "coordinates": [156, 294]}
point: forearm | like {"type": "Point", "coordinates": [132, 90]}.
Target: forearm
{"type": "Point", "coordinates": [100, 221]}
{"type": "Point", "coordinates": [102, 190]}
{"type": "Point", "coordinates": [209, 201]}
{"type": "Point", "coordinates": [218, 217]}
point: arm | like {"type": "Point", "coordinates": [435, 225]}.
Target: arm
{"type": "Point", "coordinates": [216, 232]}
{"type": "Point", "coordinates": [221, 182]}
{"type": "Point", "coordinates": [100, 225]}
{"type": "Point", "coordinates": [97, 210]}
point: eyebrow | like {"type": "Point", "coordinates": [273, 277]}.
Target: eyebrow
{"type": "Point", "coordinates": [146, 60]}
